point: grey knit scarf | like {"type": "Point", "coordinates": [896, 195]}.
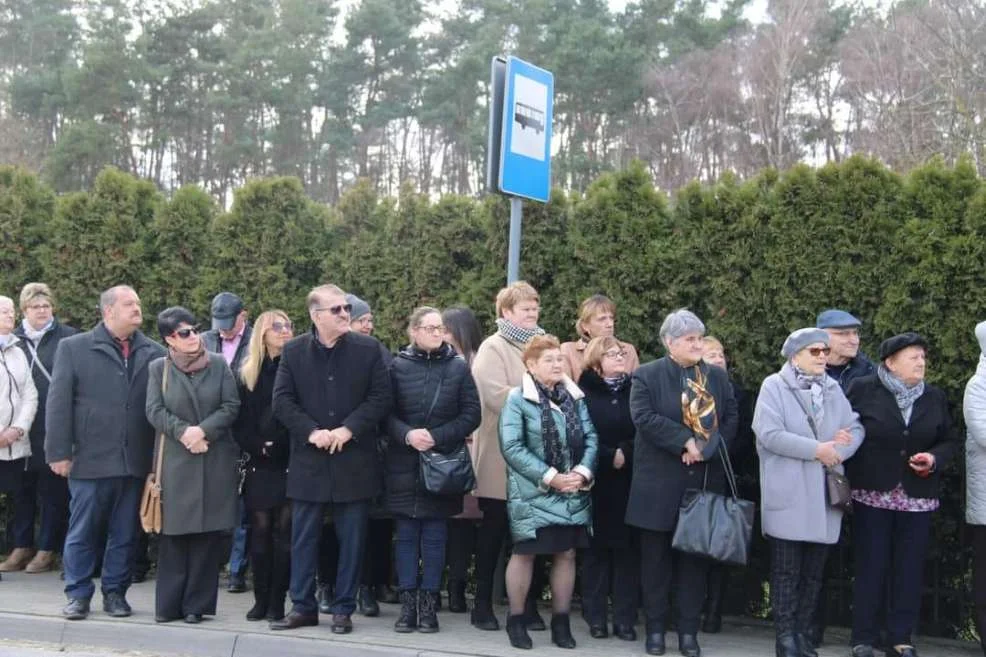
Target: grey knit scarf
{"type": "Point", "coordinates": [905, 396]}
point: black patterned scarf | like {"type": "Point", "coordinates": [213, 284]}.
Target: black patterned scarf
{"type": "Point", "coordinates": [554, 452]}
{"type": "Point", "coordinates": [511, 331]}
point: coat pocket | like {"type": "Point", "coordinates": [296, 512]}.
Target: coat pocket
{"type": "Point", "coordinates": [780, 481]}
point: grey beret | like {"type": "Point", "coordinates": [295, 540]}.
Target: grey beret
{"type": "Point", "coordinates": [360, 307]}
{"type": "Point", "coordinates": [801, 339]}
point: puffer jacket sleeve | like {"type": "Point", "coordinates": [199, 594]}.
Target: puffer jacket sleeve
{"type": "Point", "coordinates": [974, 410]}
{"type": "Point", "coordinates": [452, 434]}
{"type": "Point", "coordinates": [513, 444]}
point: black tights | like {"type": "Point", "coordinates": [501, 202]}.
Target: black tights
{"type": "Point", "coordinates": [270, 554]}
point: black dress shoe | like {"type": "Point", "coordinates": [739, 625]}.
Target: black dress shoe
{"type": "Point", "coordinates": [366, 602]}
{"type": "Point", "coordinates": [624, 632]}
{"type": "Point", "coordinates": [805, 647]}
{"type": "Point", "coordinates": [688, 645]}
{"type": "Point", "coordinates": [237, 583]}
{"type": "Point", "coordinates": [324, 595]}
{"type": "Point", "coordinates": [116, 605]}
{"type": "Point", "coordinates": [341, 624]}
{"type": "Point", "coordinates": [597, 631]}
{"type": "Point", "coordinates": [457, 597]}
{"type": "Point", "coordinates": [862, 650]}
{"type": "Point", "coordinates": [76, 609]}
{"type": "Point", "coordinates": [787, 645]}
{"type": "Point", "coordinates": [654, 643]}
{"type": "Point", "coordinates": [386, 594]}
{"type": "Point", "coordinates": [295, 620]}
{"type": "Point", "coordinates": [258, 611]}
{"type": "Point", "coordinates": [483, 618]}
{"type": "Point", "coordinates": [712, 624]}
{"type": "Point", "coordinates": [193, 619]}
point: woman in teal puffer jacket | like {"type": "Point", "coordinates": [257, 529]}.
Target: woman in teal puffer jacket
{"type": "Point", "coordinates": [549, 445]}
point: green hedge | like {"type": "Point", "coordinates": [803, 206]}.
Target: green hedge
{"type": "Point", "coordinates": [755, 259]}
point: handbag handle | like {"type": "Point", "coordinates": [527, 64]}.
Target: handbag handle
{"type": "Point", "coordinates": [160, 440]}
{"type": "Point", "coordinates": [727, 465]}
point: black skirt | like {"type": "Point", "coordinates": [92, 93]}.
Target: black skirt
{"type": "Point", "coordinates": [554, 539]}
{"type": "Point", "coordinates": [264, 489]}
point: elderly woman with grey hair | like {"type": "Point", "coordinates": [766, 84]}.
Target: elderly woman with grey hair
{"type": "Point", "coordinates": [683, 410]}
{"type": "Point", "coordinates": [804, 424]}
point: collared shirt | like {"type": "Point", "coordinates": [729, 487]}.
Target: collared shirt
{"type": "Point", "coordinates": [229, 347]}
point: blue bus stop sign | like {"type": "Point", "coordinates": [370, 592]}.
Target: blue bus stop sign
{"type": "Point", "coordinates": [525, 147]}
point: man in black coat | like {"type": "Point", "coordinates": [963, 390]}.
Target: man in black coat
{"type": "Point", "coordinates": [230, 336]}
{"type": "Point", "coordinates": [332, 391]}
{"type": "Point", "coordinates": [99, 437]}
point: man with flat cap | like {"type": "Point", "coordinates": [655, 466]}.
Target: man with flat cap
{"type": "Point", "coordinates": [230, 336]}
{"type": "Point", "coordinates": [845, 361]}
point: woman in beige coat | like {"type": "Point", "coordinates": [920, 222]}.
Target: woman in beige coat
{"type": "Point", "coordinates": [497, 368]}
{"type": "Point", "coordinates": [597, 319]}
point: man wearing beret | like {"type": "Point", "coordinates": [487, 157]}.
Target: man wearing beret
{"type": "Point", "coordinates": [845, 362]}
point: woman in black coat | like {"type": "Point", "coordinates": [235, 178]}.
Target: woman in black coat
{"type": "Point", "coordinates": [267, 445]}
{"type": "Point", "coordinates": [895, 477]}
{"type": "Point", "coordinates": [436, 407]}
{"type": "Point", "coordinates": [683, 410]}
{"type": "Point", "coordinates": [613, 548]}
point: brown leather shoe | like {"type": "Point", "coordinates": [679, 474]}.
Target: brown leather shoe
{"type": "Point", "coordinates": [17, 560]}
{"type": "Point", "coordinates": [42, 562]}
{"type": "Point", "coordinates": [341, 624]}
{"type": "Point", "coordinates": [294, 620]}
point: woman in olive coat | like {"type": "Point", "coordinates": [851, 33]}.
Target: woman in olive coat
{"type": "Point", "coordinates": [194, 409]}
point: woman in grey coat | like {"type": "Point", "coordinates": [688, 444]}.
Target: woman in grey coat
{"type": "Point", "coordinates": [804, 424]}
{"type": "Point", "coordinates": [192, 401]}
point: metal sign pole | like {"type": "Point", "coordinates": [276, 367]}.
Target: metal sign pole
{"type": "Point", "coordinates": [513, 254]}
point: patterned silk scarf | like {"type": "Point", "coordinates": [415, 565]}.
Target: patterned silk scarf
{"type": "Point", "coordinates": [698, 406]}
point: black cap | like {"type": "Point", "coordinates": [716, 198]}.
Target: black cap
{"type": "Point", "coordinates": [226, 307]}
{"type": "Point", "coordinates": [891, 346]}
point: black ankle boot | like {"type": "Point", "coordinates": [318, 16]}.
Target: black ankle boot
{"type": "Point", "coordinates": [517, 632]}
{"type": "Point", "coordinates": [561, 631]}
{"type": "Point", "coordinates": [366, 602]}
{"type": "Point", "coordinates": [787, 645]}
{"type": "Point", "coordinates": [407, 621]}
{"type": "Point", "coordinates": [457, 597]}
{"type": "Point", "coordinates": [427, 612]}
{"type": "Point", "coordinates": [483, 618]}
{"type": "Point", "coordinates": [259, 609]}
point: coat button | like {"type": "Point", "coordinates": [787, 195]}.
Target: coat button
{"type": "Point", "coordinates": [333, 414]}
{"type": "Point", "coordinates": [903, 452]}
{"type": "Point", "coordinates": [331, 378]}
{"type": "Point", "coordinates": [906, 433]}
{"type": "Point", "coordinates": [615, 401]}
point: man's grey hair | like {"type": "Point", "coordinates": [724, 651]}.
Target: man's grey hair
{"type": "Point", "coordinates": [108, 297]}
{"type": "Point", "coordinates": [680, 322]}
{"type": "Point", "coordinates": [314, 298]}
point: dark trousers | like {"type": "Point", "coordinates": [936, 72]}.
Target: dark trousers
{"type": "Point", "coordinates": [422, 539]}
{"type": "Point", "coordinates": [459, 549]}
{"type": "Point", "coordinates": [888, 546]}
{"type": "Point", "coordinates": [610, 573]}
{"type": "Point", "coordinates": [977, 534]}
{"type": "Point", "coordinates": [796, 571]}
{"type": "Point", "coordinates": [270, 554]}
{"type": "Point", "coordinates": [49, 492]}
{"type": "Point", "coordinates": [659, 566]}
{"type": "Point", "coordinates": [188, 574]}
{"type": "Point", "coordinates": [101, 509]}
{"type": "Point", "coordinates": [379, 552]}
{"type": "Point", "coordinates": [350, 521]}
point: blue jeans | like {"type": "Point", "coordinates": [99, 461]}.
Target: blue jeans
{"type": "Point", "coordinates": [101, 509]}
{"type": "Point", "coordinates": [350, 521]}
{"type": "Point", "coordinates": [425, 538]}
{"type": "Point", "coordinates": [52, 492]}
{"type": "Point", "coordinates": [238, 554]}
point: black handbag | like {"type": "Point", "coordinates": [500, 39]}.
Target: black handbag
{"type": "Point", "coordinates": [716, 526]}
{"type": "Point", "coordinates": [446, 474]}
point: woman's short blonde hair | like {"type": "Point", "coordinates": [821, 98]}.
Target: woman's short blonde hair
{"type": "Point", "coordinates": [592, 359]}
{"type": "Point", "coordinates": [709, 341]}
{"type": "Point", "coordinates": [32, 291]}
{"type": "Point", "coordinates": [538, 345]}
{"type": "Point", "coordinates": [516, 292]}
{"type": "Point", "coordinates": [597, 303]}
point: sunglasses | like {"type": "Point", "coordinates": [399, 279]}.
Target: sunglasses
{"type": "Point", "coordinates": [281, 327]}
{"type": "Point", "coordinates": [337, 310]}
{"type": "Point", "coordinates": [185, 332]}
{"type": "Point", "coordinates": [819, 351]}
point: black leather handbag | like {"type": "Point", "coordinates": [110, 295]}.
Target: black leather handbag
{"type": "Point", "coordinates": [716, 526]}
{"type": "Point", "coordinates": [446, 474]}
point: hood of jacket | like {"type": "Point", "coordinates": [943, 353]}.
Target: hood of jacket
{"type": "Point", "coordinates": [981, 337]}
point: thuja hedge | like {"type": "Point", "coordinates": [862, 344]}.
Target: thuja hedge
{"type": "Point", "coordinates": [754, 258]}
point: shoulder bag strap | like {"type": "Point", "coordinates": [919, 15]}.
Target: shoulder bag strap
{"type": "Point", "coordinates": [160, 440]}
{"type": "Point", "coordinates": [35, 360]}
{"type": "Point", "coordinates": [811, 420]}
{"type": "Point", "coordinates": [434, 400]}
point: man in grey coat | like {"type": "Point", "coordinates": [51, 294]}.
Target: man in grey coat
{"type": "Point", "coordinates": [99, 437]}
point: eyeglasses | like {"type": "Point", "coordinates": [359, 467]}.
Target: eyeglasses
{"type": "Point", "coordinates": [39, 306]}
{"type": "Point", "coordinates": [615, 354]}
{"type": "Point", "coordinates": [281, 327]}
{"type": "Point", "coordinates": [434, 330]}
{"type": "Point", "coordinates": [819, 351]}
{"type": "Point", "coordinates": [184, 333]}
{"type": "Point", "coordinates": [337, 310]}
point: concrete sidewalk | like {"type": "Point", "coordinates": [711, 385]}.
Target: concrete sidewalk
{"type": "Point", "coordinates": [30, 611]}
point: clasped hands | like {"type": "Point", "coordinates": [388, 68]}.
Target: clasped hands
{"type": "Point", "coordinates": [193, 438]}
{"type": "Point", "coordinates": [419, 439]}
{"type": "Point", "coordinates": [826, 452]}
{"type": "Point", "coordinates": [568, 482]}
{"type": "Point", "coordinates": [9, 436]}
{"type": "Point", "coordinates": [333, 440]}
